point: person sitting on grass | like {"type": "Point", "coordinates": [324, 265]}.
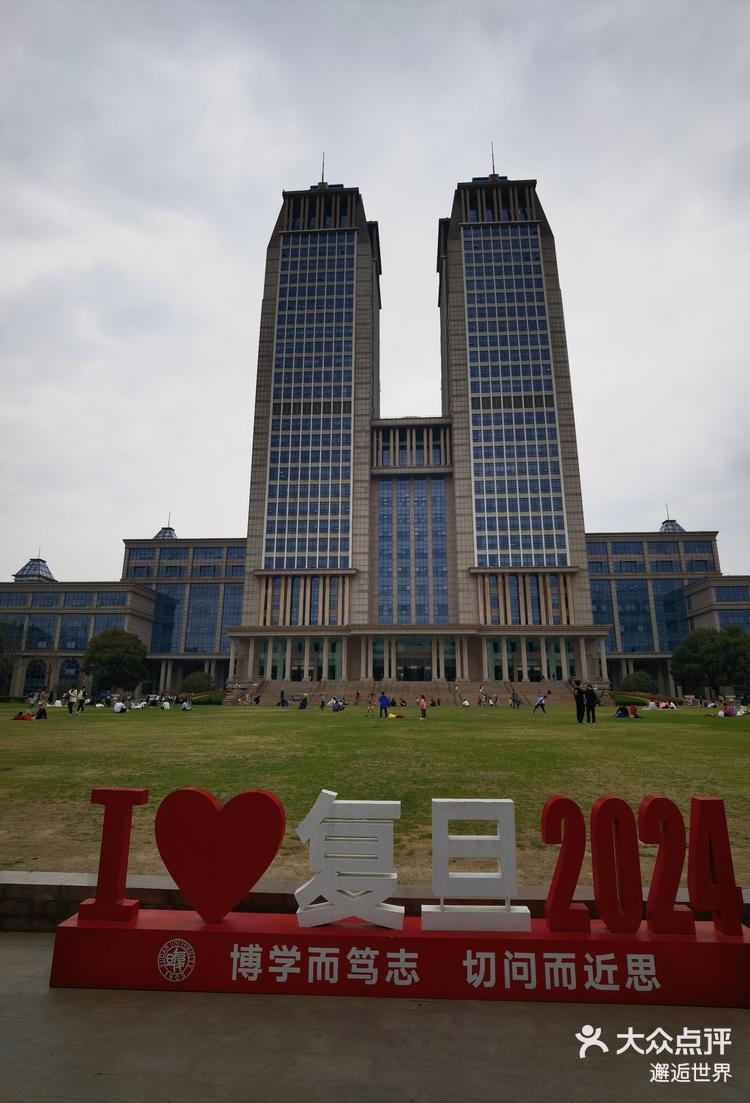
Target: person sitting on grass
{"type": "Point", "coordinates": [622, 713]}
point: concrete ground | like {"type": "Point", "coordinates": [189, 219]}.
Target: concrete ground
{"type": "Point", "coordinates": [117, 1047]}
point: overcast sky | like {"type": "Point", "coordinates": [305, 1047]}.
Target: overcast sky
{"type": "Point", "coordinates": [144, 150]}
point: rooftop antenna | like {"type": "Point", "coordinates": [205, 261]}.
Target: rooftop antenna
{"type": "Point", "coordinates": [323, 169]}
{"type": "Point", "coordinates": [169, 519]}
{"type": "Point", "coordinates": [492, 147]}
{"type": "Point", "coordinates": [39, 553]}
{"type": "Point", "coordinates": [667, 508]}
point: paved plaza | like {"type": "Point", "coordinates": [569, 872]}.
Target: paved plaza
{"type": "Point", "coordinates": [114, 1047]}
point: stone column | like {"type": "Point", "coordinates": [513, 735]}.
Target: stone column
{"type": "Point", "coordinates": [250, 669]}
{"type": "Point", "coordinates": [564, 658]}
{"type": "Point", "coordinates": [162, 675]}
{"type": "Point", "coordinates": [524, 660]}
{"type": "Point", "coordinates": [288, 660]}
{"type": "Point", "coordinates": [441, 656]}
{"type": "Point", "coordinates": [504, 657]}
{"type": "Point", "coordinates": [324, 672]}
{"type": "Point", "coordinates": [543, 657]}
{"type": "Point", "coordinates": [170, 664]}
{"type": "Point", "coordinates": [306, 677]}
{"type": "Point", "coordinates": [433, 673]}
{"type": "Point", "coordinates": [465, 656]}
{"type": "Point", "coordinates": [603, 659]}
{"type": "Point", "coordinates": [485, 664]}
{"type": "Point", "coordinates": [344, 658]}
{"type": "Point", "coordinates": [584, 671]}
{"type": "Point", "coordinates": [232, 659]}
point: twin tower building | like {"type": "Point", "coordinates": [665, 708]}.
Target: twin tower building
{"type": "Point", "coordinates": [416, 548]}
{"type": "Point", "coordinates": [449, 548]}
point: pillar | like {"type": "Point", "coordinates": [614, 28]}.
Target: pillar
{"type": "Point", "coordinates": [441, 656]}
{"type": "Point", "coordinates": [433, 669]}
{"type": "Point", "coordinates": [465, 656]}
{"type": "Point", "coordinates": [603, 660]}
{"type": "Point", "coordinates": [232, 658]}
{"type": "Point", "coordinates": [394, 659]}
{"type": "Point", "coordinates": [504, 657]}
{"type": "Point", "coordinates": [543, 657]}
{"type": "Point", "coordinates": [306, 676]}
{"type": "Point", "coordinates": [344, 658]}
{"type": "Point", "coordinates": [325, 659]}
{"type": "Point", "coordinates": [485, 665]}
{"type": "Point", "coordinates": [250, 670]}
{"type": "Point", "coordinates": [524, 660]}
{"type": "Point", "coordinates": [169, 674]}
{"type": "Point", "coordinates": [584, 671]}
{"type": "Point", "coordinates": [288, 659]}
{"type": "Point", "coordinates": [162, 675]}
{"type": "Point", "coordinates": [564, 659]}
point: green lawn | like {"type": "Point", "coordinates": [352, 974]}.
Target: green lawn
{"type": "Point", "coordinates": [48, 770]}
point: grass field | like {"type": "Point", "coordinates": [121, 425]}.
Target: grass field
{"type": "Point", "coordinates": [47, 771]}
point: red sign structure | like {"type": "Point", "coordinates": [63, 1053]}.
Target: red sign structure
{"type": "Point", "coordinates": [216, 854]}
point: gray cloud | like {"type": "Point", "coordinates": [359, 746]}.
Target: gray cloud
{"type": "Point", "coordinates": [145, 148]}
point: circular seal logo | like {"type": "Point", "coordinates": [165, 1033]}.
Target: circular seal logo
{"type": "Point", "coordinates": [176, 960]}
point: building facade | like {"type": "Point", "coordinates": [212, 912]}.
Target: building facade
{"type": "Point", "coordinates": [449, 548]}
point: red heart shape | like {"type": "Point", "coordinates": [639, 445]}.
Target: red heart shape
{"type": "Point", "coordinates": [217, 854]}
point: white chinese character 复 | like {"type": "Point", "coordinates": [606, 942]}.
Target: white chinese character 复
{"type": "Point", "coordinates": [351, 848]}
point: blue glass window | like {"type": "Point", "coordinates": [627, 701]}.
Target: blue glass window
{"type": "Point", "coordinates": [514, 447]}
{"type": "Point", "coordinates": [732, 593]}
{"type": "Point", "coordinates": [74, 632]}
{"type": "Point", "coordinates": [170, 553]}
{"type": "Point", "coordinates": [112, 597]}
{"type": "Point", "coordinates": [81, 598]}
{"type": "Point", "coordinates": [699, 547]}
{"type": "Point", "coordinates": [232, 613]}
{"type": "Point", "coordinates": [166, 634]}
{"type": "Point", "coordinates": [635, 615]}
{"type": "Point", "coordinates": [202, 618]}
{"type": "Point", "coordinates": [141, 553]}
{"type": "Point", "coordinates": [11, 629]}
{"type": "Point", "coordinates": [40, 635]}
{"type": "Point", "coordinates": [671, 617]}
{"type": "Point", "coordinates": [403, 553]}
{"type": "Point", "coordinates": [385, 552]}
{"type": "Point", "coordinates": [700, 566]}
{"type": "Point", "coordinates": [601, 606]}
{"type": "Point", "coordinates": [439, 553]}
{"type": "Point", "coordinates": [103, 622]}
{"type": "Point", "coordinates": [10, 600]}
{"type": "Point", "coordinates": [734, 616]}
{"type": "Point", "coordinates": [208, 553]}
{"type": "Point", "coordinates": [236, 553]}
{"type": "Point", "coordinates": [421, 579]}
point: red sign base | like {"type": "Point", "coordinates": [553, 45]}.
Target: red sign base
{"type": "Point", "coordinates": [177, 951]}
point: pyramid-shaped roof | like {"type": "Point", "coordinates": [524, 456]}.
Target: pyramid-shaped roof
{"type": "Point", "coordinates": [36, 570]}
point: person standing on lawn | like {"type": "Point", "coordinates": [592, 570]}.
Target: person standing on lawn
{"type": "Point", "coordinates": [591, 701]}
{"type": "Point", "coordinates": [580, 700]}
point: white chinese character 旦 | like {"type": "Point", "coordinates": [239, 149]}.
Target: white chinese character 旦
{"type": "Point", "coordinates": [520, 968]}
{"type": "Point", "coordinates": [717, 1038]}
{"type": "Point", "coordinates": [659, 1073]}
{"type": "Point", "coordinates": [688, 1043]}
{"type": "Point", "coordinates": [246, 961]}
{"type": "Point", "coordinates": [681, 1073]}
{"type": "Point", "coordinates": [283, 961]}
{"type": "Point", "coordinates": [402, 968]}
{"type": "Point", "coordinates": [659, 1041]}
{"type": "Point", "coordinates": [351, 847]}
{"type": "Point", "coordinates": [480, 969]}
{"type": "Point", "coordinates": [323, 964]}
{"type": "Point", "coordinates": [362, 965]}
{"type": "Point", "coordinates": [630, 1041]}
{"type": "Point", "coordinates": [600, 972]}
{"type": "Point", "coordinates": [721, 1072]}
{"type": "Point", "coordinates": [559, 971]}
{"type": "Point", "coordinates": [641, 973]}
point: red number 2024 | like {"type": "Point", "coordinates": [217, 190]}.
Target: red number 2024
{"type": "Point", "coordinates": [616, 866]}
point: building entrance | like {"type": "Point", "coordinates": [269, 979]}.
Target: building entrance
{"type": "Point", "coordinates": [413, 659]}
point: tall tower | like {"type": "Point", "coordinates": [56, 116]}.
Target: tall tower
{"type": "Point", "coordinates": [506, 388]}
{"type": "Point", "coordinates": [317, 391]}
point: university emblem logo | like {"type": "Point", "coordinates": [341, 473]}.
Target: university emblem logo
{"type": "Point", "coordinates": [176, 960]}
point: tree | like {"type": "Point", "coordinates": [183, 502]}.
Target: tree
{"type": "Point", "coordinates": [711, 658]}
{"type": "Point", "coordinates": [639, 682]}
{"type": "Point", "coordinates": [116, 659]}
{"type": "Point", "coordinates": [737, 655]}
{"type": "Point", "coordinates": [197, 682]}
